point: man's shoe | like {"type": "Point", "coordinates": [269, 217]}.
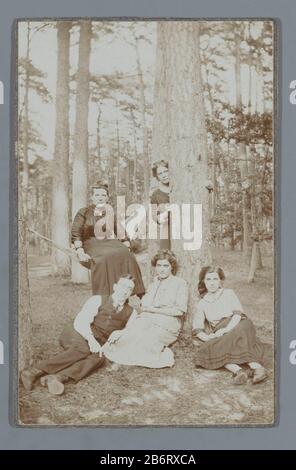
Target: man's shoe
{"type": "Point", "coordinates": [260, 374]}
{"type": "Point", "coordinates": [29, 377]}
{"type": "Point", "coordinates": [240, 377]}
{"type": "Point", "coordinates": [53, 384]}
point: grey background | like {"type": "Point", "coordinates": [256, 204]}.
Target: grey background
{"type": "Point", "coordinates": [283, 435]}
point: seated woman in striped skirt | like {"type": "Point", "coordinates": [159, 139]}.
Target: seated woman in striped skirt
{"type": "Point", "coordinates": [229, 336]}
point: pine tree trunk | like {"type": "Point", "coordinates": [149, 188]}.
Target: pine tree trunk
{"type": "Point", "coordinates": [181, 134]}
{"type": "Point", "coordinates": [112, 165]}
{"type": "Point", "coordinates": [25, 352]}
{"type": "Point", "coordinates": [118, 151]}
{"type": "Point", "coordinates": [242, 152]}
{"type": "Point", "coordinates": [253, 264]}
{"type": "Point", "coordinates": [80, 162]}
{"type": "Point", "coordinates": [252, 191]}
{"type": "Point", "coordinates": [136, 194]}
{"type": "Point", "coordinates": [259, 262]}
{"type": "Point", "coordinates": [160, 136]}
{"type": "Point", "coordinates": [99, 150]}
{"type": "Point", "coordinates": [146, 160]}
{"type": "Point", "coordinates": [60, 180]}
{"type": "Point", "coordinates": [25, 128]}
{"type": "Point", "coordinates": [214, 195]}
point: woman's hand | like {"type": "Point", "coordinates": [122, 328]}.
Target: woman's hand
{"type": "Point", "coordinates": [114, 336]}
{"type": "Point", "coordinates": [94, 346]}
{"type": "Point", "coordinates": [82, 256]}
{"type": "Point", "coordinates": [127, 244]}
{"type": "Point", "coordinates": [163, 217]}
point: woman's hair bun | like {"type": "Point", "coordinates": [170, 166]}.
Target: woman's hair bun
{"type": "Point", "coordinates": [100, 184]}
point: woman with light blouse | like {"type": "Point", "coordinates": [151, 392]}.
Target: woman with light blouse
{"type": "Point", "coordinates": [146, 339]}
{"type": "Point", "coordinates": [228, 335]}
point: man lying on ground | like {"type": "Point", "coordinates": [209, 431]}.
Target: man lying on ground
{"type": "Point", "coordinates": [82, 340]}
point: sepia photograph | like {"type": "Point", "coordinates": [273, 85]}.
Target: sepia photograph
{"type": "Point", "coordinates": [145, 155]}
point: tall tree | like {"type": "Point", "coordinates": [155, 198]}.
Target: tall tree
{"type": "Point", "coordinates": [181, 135]}
{"type": "Point", "coordinates": [242, 150]}
{"type": "Point", "coordinates": [80, 161]}
{"type": "Point", "coordinates": [24, 316]}
{"type": "Point", "coordinates": [143, 109]}
{"type": "Point", "coordinates": [30, 79]}
{"type": "Point", "coordinates": [60, 181]}
{"type": "Point", "coordinates": [25, 130]}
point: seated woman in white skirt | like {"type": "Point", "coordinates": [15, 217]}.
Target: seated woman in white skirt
{"type": "Point", "coordinates": [147, 336]}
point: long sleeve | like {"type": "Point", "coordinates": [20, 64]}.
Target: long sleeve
{"type": "Point", "coordinates": [158, 201]}
{"type": "Point", "coordinates": [147, 299]}
{"type": "Point", "coordinates": [199, 317]}
{"type": "Point", "coordinates": [154, 203]}
{"type": "Point", "coordinates": [86, 316]}
{"type": "Point", "coordinates": [77, 226]}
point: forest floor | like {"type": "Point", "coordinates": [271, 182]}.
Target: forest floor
{"type": "Point", "coordinates": [126, 395]}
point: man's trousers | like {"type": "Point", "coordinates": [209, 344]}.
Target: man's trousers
{"type": "Point", "coordinates": [76, 361]}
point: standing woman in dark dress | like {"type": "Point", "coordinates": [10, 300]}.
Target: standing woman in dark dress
{"type": "Point", "coordinates": [98, 248]}
{"type": "Point", "coordinates": [160, 197]}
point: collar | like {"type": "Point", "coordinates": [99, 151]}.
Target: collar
{"type": "Point", "coordinates": [170, 276]}
{"type": "Point", "coordinates": [212, 298]}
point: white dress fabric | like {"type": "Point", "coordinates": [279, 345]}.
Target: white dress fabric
{"type": "Point", "coordinates": [146, 337]}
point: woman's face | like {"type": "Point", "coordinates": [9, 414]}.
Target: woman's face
{"type": "Point", "coordinates": [123, 289]}
{"type": "Point", "coordinates": [212, 282]}
{"type": "Point", "coordinates": [163, 268]}
{"type": "Point", "coordinates": [100, 196]}
{"type": "Point", "coordinates": [162, 174]}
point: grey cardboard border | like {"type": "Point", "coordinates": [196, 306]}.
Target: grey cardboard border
{"type": "Point", "coordinates": [281, 436]}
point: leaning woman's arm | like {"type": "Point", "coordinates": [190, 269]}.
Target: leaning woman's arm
{"type": "Point", "coordinates": [203, 336]}
{"type": "Point", "coordinates": [199, 324]}
{"type": "Point", "coordinates": [180, 296]}
{"type": "Point", "coordinates": [236, 318]}
{"type": "Point", "coordinates": [170, 311]}
{"type": "Point", "coordinates": [77, 228]}
{"type": "Point", "coordinates": [237, 313]}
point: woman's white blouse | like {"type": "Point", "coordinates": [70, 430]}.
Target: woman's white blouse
{"type": "Point", "coordinates": [214, 310]}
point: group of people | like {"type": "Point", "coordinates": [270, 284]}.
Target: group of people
{"type": "Point", "coordinates": [112, 326]}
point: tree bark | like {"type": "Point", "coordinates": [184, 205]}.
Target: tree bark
{"type": "Point", "coordinates": [145, 151]}
{"type": "Point", "coordinates": [136, 190]}
{"type": "Point", "coordinates": [80, 162]}
{"type": "Point", "coordinates": [253, 264]}
{"type": "Point", "coordinates": [60, 166]}
{"type": "Point", "coordinates": [160, 139]}
{"type": "Point", "coordinates": [241, 151]}
{"type": "Point", "coordinates": [25, 128]}
{"type": "Point", "coordinates": [180, 135]}
{"type": "Point", "coordinates": [99, 150]}
{"type": "Point", "coordinates": [25, 350]}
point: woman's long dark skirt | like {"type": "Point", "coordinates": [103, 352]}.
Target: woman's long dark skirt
{"type": "Point", "coordinates": [111, 259]}
{"type": "Point", "coordinates": [238, 346]}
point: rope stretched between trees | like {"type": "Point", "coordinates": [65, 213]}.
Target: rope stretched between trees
{"type": "Point", "coordinates": [65, 250]}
